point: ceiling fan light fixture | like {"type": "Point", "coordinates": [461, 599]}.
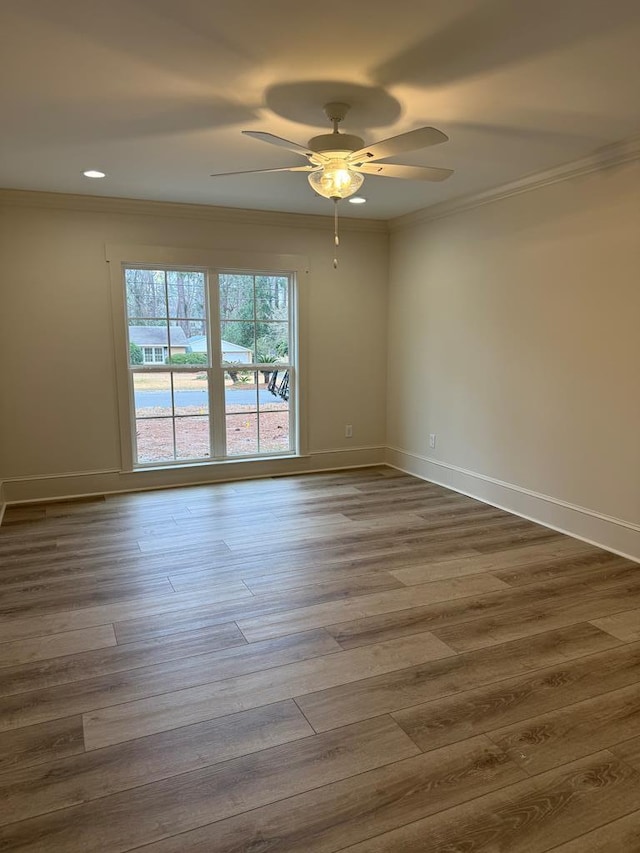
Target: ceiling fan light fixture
{"type": "Point", "coordinates": [335, 161]}
{"type": "Point", "coordinates": [336, 180]}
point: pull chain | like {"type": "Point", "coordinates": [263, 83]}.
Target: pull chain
{"type": "Point", "coordinates": [336, 238]}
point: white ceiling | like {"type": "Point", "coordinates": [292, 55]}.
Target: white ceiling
{"type": "Point", "coordinates": [156, 92]}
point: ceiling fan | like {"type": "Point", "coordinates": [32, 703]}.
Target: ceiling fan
{"type": "Point", "coordinates": [338, 162]}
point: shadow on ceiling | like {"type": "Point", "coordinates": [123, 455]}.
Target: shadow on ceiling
{"type": "Point", "coordinates": [496, 34]}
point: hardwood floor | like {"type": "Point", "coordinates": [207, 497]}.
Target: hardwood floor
{"type": "Point", "coordinates": [357, 662]}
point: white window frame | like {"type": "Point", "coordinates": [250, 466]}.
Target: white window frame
{"type": "Point", "coordinates": [215, 371]}
{"type": "Point", "coordinates": [212, 263]}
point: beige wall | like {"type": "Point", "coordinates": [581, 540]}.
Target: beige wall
{"type": "Point", "coordinates": [57, 379]}
{"type": "Point", "coordinates": [514, 335]}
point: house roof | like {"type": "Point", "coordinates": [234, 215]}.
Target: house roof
{"type": "Point", "coordinates": [227, 346]}
{"type": "Point", "coordinates": [145, 336]}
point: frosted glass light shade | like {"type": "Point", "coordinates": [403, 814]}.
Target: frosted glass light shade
{"type": "Point", "coordinates": [336, 180]}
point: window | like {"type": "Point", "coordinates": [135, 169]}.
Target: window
{"type": "Point", "coordinates": [154, 355]}
{"type": "Point", "coordinates": [210, 364]}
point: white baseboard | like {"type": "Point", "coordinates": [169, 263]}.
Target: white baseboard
{"type": "Point", "coordinates": [612, 534]}
{"type": "Point", "coordinates": [54, 487]}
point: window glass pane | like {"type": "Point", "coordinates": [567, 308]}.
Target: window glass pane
{"type": "Point", "coordinates": [242, 434]}
{"type": "Point", "coordinates": [186, 294]}
{"type": "Point", "coordinates": [178, 340]}
{"type": "Point", "coordinates": [189, 350]}
{"type": "Point", "coordinates": [144, 337]}
{"type": "Point", "coordinates": [279, 387]}
{"type": "Point", "coordinates": [236, 296]}
{"type": "Point", "coordinates": [192, 380]}
{"type": "Point", "coordinates": [241, 393]}
{"type": "Point", "coordinates": [190, 394]}
{"type": "Point", "coordinates": [274, 431]}
{"type": "Point", "coordinates": [272, 294]}
{"type": "Point", "coordinates": [272, 342]}
{"type": "Point", "coordinates": [154, 439]}
{"type": "Point", "coordinates": [192, 438]}
{"type": "Point", "coordinates": [276, 397]}
{"type": "Point", "coordinates": [197, 343]}
{"type": "Point", "coordinates": [146, 296]}
{"type": "Point", "coordinates": [238, 342]}
{"type": "Point", "coordinates": [263, 377]}
{"type": "Point", "coordinates": [152, 394]}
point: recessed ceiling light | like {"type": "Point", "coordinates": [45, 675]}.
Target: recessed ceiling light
{"type": "Point", "coordinates": [357, 199]}
{"type": "Point", "coordinates": [94, 173]}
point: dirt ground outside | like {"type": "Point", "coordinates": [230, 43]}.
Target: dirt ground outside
{"type": "Point", "coordinates": [249, 432]}
{"type": "Point", "coordinates": [154, 435]}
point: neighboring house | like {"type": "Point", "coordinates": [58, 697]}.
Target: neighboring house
{"type": "Point", "coordinates": [230, 352]}
{"type": "Point", "coordinates": [154, 344]}
{"type": "Point", "coordinates": [198, 343]}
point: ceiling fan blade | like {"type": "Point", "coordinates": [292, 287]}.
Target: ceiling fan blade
{"type": "Point", "coordinates": [411, 173]}
{"type": "Point", "coordinates": [422, 137]}
{"type": "Point", "coordinates": [264, 171]}
{"type": "Point", "coordinates": [279, 141]}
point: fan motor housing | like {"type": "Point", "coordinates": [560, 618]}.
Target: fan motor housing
{"type": "Point", "coordinates": [346, 142]}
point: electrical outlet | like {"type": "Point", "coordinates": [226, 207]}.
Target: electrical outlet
{"type": "Point", "coordinates": [348, 431]}
{"type": "Point", "coordinates": [432, 439]}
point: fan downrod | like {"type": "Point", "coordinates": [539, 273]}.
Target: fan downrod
{"type": "Point", "coordinates": [336, 112]}
{"type": "Point", "coordinates": [335, 142]}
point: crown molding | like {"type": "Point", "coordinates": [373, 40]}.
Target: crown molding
{"type": "Point", "coordinates": [604, 158]}
{"type": "Point", "coordinates": [615, 154]}
{"type": "Point", "coordinates": [142, 207]}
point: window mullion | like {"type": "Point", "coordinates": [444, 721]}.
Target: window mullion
{"type": "Point", "coordinates": [173, 416]}
{"type": "Point", "coordinates": [255, 359]}
{"type": "Point", "coordinates": [215, 374]}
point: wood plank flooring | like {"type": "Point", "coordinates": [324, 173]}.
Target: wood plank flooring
{"type": "Point", "coordinates": [357, 662]}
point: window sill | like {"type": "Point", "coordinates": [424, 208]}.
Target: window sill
{"type": "Point", "coordinates": [215, 463]}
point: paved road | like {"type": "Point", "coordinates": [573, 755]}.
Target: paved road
{"type": "Point", "coordinates": [162, 399]}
